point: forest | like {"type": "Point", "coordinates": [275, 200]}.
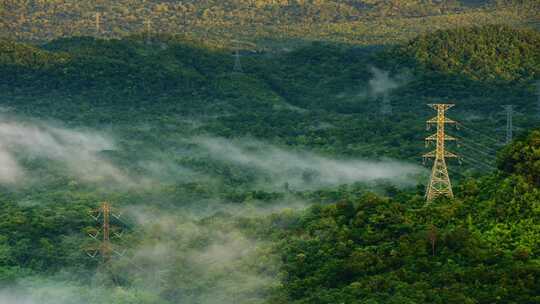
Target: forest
{"type": "Point", "coordinates": [270, 24]}
{"type": "Point", "coordinates": [270, 177]}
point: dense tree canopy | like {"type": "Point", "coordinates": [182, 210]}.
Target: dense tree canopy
{"type": "Point", "coordinates": [357, 21]}
{"type": "Point", "coordinates": [491, 53]}
{"type": "Point", "coordinates": [523, 158]}
{"type": "Point", "coordinates": [200, 229]}
{"type": "Point", "coordinates": [480, 248]}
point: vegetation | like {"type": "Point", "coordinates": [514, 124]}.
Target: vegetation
{"type": "Point", "coordinates": [319, 96]}
{"type": "Point", "coordinates": [202, 227]}
{"type": "Point", "coordinates": [479, 248]}
{"type": "Point", "coordinates": [273, 24]}
{"type": "Point", "coordinates": [522, 158]}
{"type": "Point", "coordinates": [480, 53]}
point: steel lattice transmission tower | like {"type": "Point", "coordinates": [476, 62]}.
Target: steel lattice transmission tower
{"type": "Point", "coordinates": [237, 64]}
{"type": "Point", "coordinates": [148, 27]}
{"type": "Point", "coordinates": [439, 183]}
{"type": "Point", "coordinates": [237, 69]}
{"type": "Point", "coordinates": [98, 23]}
{"type": "Point", "coordinates": [386, 106]}
{"type": "Point", "coordinates": [538, 98]}
{"type": "Point", "coordinates": [509, 123]}
{"type": "Point", "coordinates": [240, 47]}
{"type": "Point", "coordinates": [105, 248]}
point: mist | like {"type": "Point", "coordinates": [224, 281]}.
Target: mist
{"type": "Point", "coordinates": [304, 169]}
{"type": "Point", "coordinates": [174, 253]}
{"type": "Point", "coordinates": [78, 151]}
{"type": "Point", "coordinates": [172, 250]}
{"type": "Point", "coordinates": [169, 254]}
{"type": "Point", "coordinates": [382, 83]}
{"type": "Point", "coordinates": [39, 290]}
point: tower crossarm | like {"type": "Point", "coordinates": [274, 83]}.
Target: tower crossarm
{"type": "Point", "coordinates": [429, 155]}
{"type": "Point", "coordinates": [448, 154]}
{"type": "Point", "coordinates": [433, 154]}
{"type": "Point", "coordinates": [441, 106]}
{"type": "Point", "coordinates": [446, 138]}
{"type": "Point", "coordinates": [435, 121]}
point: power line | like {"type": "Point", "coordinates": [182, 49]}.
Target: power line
{"type": "Point", "coordinates": [477, 145]}
{"type": "Point", "coordinates": [488, 137]}
{"type": "Point", "coordinates": [478, 164]}
{"type": "Point", "coordinates": [456, 172]}
{"type": "Point", "coordinates": [482, 163]}
{"type": "Point", "coordinates": [477, 150]}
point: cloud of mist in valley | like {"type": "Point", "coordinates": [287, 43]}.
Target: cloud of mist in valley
{"type": "Point", "coordinates": [37, 290]}
{"type": "Point", "coordinates": [382, 83]}
{"type": "Point", "coordinates": [208, 261]}
{"type": "Point", "coordinates": [176, 259]}
{"type": "Point", "coordinates": [201, 256]}
{"type": "Point", "coordinates": [303, 169]}
{"type": "Point", "coordinates": [78, 151]}
{"type": "Point", "coordinates": [40, 290]}
{"type": "Point", "coordinates": [163, 169]}
{"type": "Point", "coordinates": [84, 156]}
{"type": "Point", "coordinates": [81, 154]}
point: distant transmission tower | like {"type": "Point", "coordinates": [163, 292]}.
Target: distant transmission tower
{"type": "Point", "coordinates": [386, 106]}
{"type": "Point", "coordinates": [237, 64]}
{"type": "Point", "coordinates": [184, 21]}
{"type": "Point", "coordinates": [509, 123]}
{"type": "Point", "coordinates": [538, 98]}
{"type": "Point", "coordinates": [98, 23]}
{"type": "Point", "coordinates": [439, 183]}
{"type": "Point", "coordinates": [237, 69]}
{"type": "Point", "coordinates": [148, 28]}
{"type": "Point", "coordinates": [147, 25]}
{"type": "Point", "coordinates": [105, 248]}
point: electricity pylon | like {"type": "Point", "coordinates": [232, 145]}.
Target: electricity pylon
{"type": "Point", "coordinates": [98, 23]}
{"type": "Point", "coordinates": [386, 106]}
{"type": "Point", "coordinates": [237, 47]}
{"type": "Point", "coordinates": [509, 123]}
{"type": "Point", "coordinates": [538, 98]}
{"type": "Point", "coordinates": [439, 183]}
{"type": "Point", "coordinates": [237, 64]}
{"type": "Point", "coordinates": [105, 248]}
{"type": "Point", "coordinates": [148, 26]}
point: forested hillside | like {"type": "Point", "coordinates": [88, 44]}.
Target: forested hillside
{"type": "Point", "coordinates": [319, 96]}
{"type": "Point", "coordinates": [480, 53]}
{"type": "Point", "coordinates": [479, 248]}
{"type": "Point", "coordinates": [273, 24]}
{"type": "Point", "coordinates": [283, 181]}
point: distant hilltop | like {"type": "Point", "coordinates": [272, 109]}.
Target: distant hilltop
{"type": "Point", "coordinates": [261, 21]}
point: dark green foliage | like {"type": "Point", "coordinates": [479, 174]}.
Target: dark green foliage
{"type": "Point", "coordinates": [316, 96]}
{"type": "Point", "coordinates": [155, 94]}
{"type": "Point", "coordinates": [490, 53]}
{"type": "Point", "coordinates": [477, 249]}
{"type": "Point", "coordinates": [523, 158]}
{"type": "Point", "coordinates": [221, 21]}
{"type": "Point", "coordinates": [23, 55]}
{"type": "Point", "coordinates": [42, 238]}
